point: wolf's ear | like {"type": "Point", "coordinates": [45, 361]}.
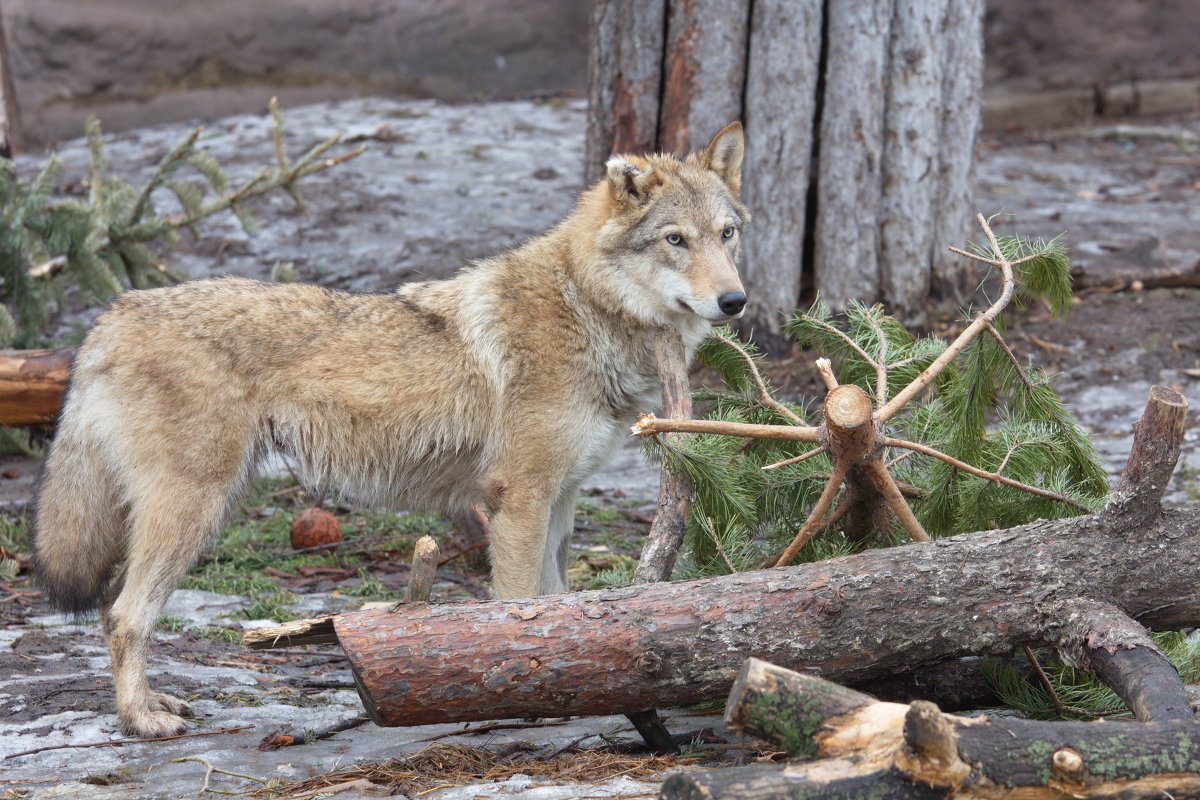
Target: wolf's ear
{"type": "Point", "coordinates": [631, 182]}
{"type": "Point", "coordinates": [724, 155]}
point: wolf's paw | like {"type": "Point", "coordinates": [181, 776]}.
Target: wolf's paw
{"type": "Point", "coordinates": [152, 724]}
{"type": "Point", "coordinates": [161, 701]}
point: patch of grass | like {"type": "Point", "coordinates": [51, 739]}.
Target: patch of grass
{"type": "Point", "coordinates": [369, 588]}
{"type": "Point", "coordinates": [14, 533]}
{"type": "Point", "coordinates": [173, 624]}
{"type": "Point", "coordinates": [218, 634]}
{"type": "Point", "coordinates": [271, 606]}
{"type": "Point", "coordinates": [590, 511]}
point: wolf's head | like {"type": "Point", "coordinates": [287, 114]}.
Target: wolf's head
{"type": "Point", "coordinates": [674, 231]}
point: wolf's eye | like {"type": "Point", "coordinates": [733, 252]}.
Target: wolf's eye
{"type": "Point", "coordinates": [728, 232]}
{"type": "Point", "coordinates": [674, 239]}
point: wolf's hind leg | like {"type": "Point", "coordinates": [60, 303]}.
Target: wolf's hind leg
{"type": "Point", "coordinates": [169, 527]}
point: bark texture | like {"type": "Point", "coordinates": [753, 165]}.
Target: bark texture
{"type": "Point", "coordinates": [849, 171]}
{"type": "Point", "coordinates": [852, 619]}
{"type": "Point", "coordinates": [859, 747]}
{"type": "Point", "coordinates": [911, 144]}
{"type": "Point", "coordinates": [962, 92]}
{"type": "Point", "coordinates": [624, 80]}
{"type": "Point", "coordinates": [674, 491]}
{"type": "Point", "coordinates": [32, 383]}
{"type": "Point", "coordinates": [703, 71]}
{"type": "Point", "coordinates": [780, 109]}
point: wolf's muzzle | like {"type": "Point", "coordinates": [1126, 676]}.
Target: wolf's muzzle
{"type": "Point", "coordinates": [732, 302]}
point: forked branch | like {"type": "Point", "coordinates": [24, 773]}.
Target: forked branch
{"type": "Point", "coordinates": [852, 431]}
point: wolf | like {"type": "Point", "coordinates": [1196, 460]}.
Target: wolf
{"type": "Point", "coordinates": [499, 389]}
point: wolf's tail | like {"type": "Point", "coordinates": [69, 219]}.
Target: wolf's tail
{"type": "Point", "coordinates": [79, 521]}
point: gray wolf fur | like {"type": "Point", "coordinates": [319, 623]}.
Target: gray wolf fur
{"type": "Point", "coordinates": [501, 389]}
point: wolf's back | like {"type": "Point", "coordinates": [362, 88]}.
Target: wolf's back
{"type": "Point", "coordinates": [78, 516]}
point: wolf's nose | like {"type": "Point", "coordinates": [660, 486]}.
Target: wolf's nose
{"type": "Point", "coordinates": [732, 302]}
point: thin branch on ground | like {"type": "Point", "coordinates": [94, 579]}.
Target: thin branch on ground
{"type": "Point", "coordinates": [209, 769]}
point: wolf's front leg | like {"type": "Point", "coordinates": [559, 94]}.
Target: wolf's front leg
{"type": "Point", "coordinates": [558, 544]}
{"type": "Point", "coordinates": [520, 519]}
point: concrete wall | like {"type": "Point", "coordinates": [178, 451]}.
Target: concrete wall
{"type": "Point", "coordinates": [135, 62]}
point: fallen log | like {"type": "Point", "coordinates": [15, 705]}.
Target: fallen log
{"type": "Point", "coordinates": [857, 746]}
{"type": "Point", "coordinates": [32, 383]}
{"type": "Point", "coordinates": [853, 619]}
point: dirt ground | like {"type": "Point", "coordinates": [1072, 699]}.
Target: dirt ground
{"type": "Point", "coordinates": [441, 184]}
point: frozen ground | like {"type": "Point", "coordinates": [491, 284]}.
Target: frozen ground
{"type": "Point", "coordinates": [442, 184]}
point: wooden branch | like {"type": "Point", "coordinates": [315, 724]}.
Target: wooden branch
{"type": "Point", "coordinates": [425, 560]}
{"type": "Point", "coordinates": [648, 424]}
{"type": "Point", "coordinates": [995, 477]}
{"type": "Point", "coordinates": [887, 486]}
{"type": "Point", "coordinates": [670, 523]}
{"type": "Point", "coordinates": [861, 748]}
{"type": "Point", "coordinates": [805, 534]}
{"type": "Point", "coordinates": [764, 395]}
{"type": "Point", "coordinates": [1157, 438]}
{"type": "Point", "coordinates": [981, 321]}
{"type": "Point", "coordinates": [1102, 639]}
{"type": "Point", "coordinates": [674, 491]}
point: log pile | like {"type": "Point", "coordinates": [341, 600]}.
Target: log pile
{"type": "Point", "coordinates": [855, 746]}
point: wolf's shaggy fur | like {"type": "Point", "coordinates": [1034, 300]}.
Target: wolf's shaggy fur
{"type": "Point", "coordinates": [501, 389]}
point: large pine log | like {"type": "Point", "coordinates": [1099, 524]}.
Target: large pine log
{"type": "Point", "coordinates": [851, 619]}
{"type": "Point", "coordinates": [861, 748]}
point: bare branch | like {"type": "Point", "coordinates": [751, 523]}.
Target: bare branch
{"type": "Point", "coordinates": [648, 424]}
{"type": "Point", "coordinates": [764, 395]}
{"type": "Point", "coordinates": [991, 476]}
{"type": "Point", "coordinates": [797, 459]}
{"type": "Point", "coordinates": [825, 370]}
{"type": "Point", "coordinates": [1011, 356]}
{"type": "Point", "coordinates": [887, 487]}
{"type": "Point", "coordinates": [977, 325]}
{"type": "Point", "coordinates": [814, 518]}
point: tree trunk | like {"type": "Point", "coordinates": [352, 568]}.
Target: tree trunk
{"type": "Point", "coordinates": [860, 115]}
{"type": "Point", "coordinates": [865, 748]}
{"type": "Point", "coordinates": [852, 619]}
{"type": "Point", "coordinates": [780, 108]}
{"type": "Point", "coordinates": [624, 79]}
{"type": "Point", "coordinates": [849, 168]}
{"type": "Point", "coordinates": [32, 383]}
